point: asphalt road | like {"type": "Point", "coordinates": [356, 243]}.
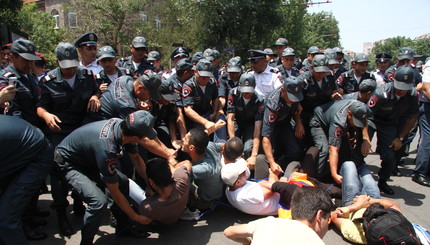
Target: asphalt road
{"type": "Point", "coordinates": [209, 229]}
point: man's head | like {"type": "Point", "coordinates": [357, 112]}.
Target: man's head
{"type": "Point", "coordinates": [312, 51]}
{"type": "Point", "coordinates": [270, 56]}
{"type": "Point", "coordinates": [196, 57]}
{"type": "Point", "coordinates": [333, 63]}
{"type": "Point", "coordinates": [138, 48]}
{"type": "Point", "coordinates": [22, 55]}
{"type": "Point", "coordinates": [361, 63]}
{"type": "Point", "coordinates": [210, 55]}
{"type": "Point", "coordinates": [415, 58]}
{"type": "Point", "coordinates": [5, 49]}
{"type": "Point", "coordinates": [258, 60]}
{"type": "Point", "coordinates": [403, 80]}
{"type": "Point", "coordinates": [184, 69]}
{"type": "Point", "coordinates": [405, 56]}
{"type": "Point", "coordinates": [203, 72]}
{"type": "Point", "coordinates": [87, 47]}
{"type": "Point", "coordinates": [167, 91]}
{"type": "Point", "coordinates": [288, 57]}
{"type": "Point", "coordinates": [339, 54]}
{"type": "Point", "coordinates": [383, 60]}
{"type": "Point", "coordinates": [280, 45]}
{"type": "Point", "coordinates": [155, 58]}
{"type": "Point", "coordinates": [67, 59]}
{"type": "Point", "coordinates": [292, 90]}
{"type": "Point", "coordinates": [146, 86]}
{"type": "Point", "coordinates": [178, 54]}
{"type": "Point", "coordinates": [312, 206]}
{"type": "Point", "coordinates": [234, 68]}
{"type": "Point", "coordinates": [233, 149]}
{"type": "Point", "coordinates": [107, 58]}
{"type": "Point", "coordinates": [195, 142]}
{"type": "Point", "coordinates": [366, 89]}
{"type": "Point", "coordinates": [138, 124]}
{"type": "Point", "coordinates": [319, 66]}
{"type": "Point", "coordinates": [235, 174]}
{"type": "Point", "coordinates": [358, 113]}
{"type": "Point", "coordinates": [247, 85]}
{"type": "Point", "coordinates": [158, 173]}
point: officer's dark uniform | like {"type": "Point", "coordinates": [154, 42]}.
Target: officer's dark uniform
{"type": "Point", "coordinates": [387, 110]}
{"type": "Point", "coordinates": [127, 63]}
{"type": "Point", "coordinates": [118, 100]}
{"type": "Point", "coordinates": [339, 71]}
{"type": "Point", "coordinates": [225, 85]}
{"type": "Point", "coordinates": [277, 126]}
{"type": "Point", "coordinates": [68, 104]}
{"type": "Point", "coordinates": [178, 85]}
{"type": "Point", "coordinates": [102, 78]}
{"type": "Point", "coordinates": [329, 126]}
{"type": "Point", "coordinates": [389, 74]}
{"type": "Point", "coordinates": [306, 66]}
{"type": "Point", "coordinates": [245, 116]}
{"type": "Point", "coordinates": [294, 72]}
{"type": "Point", "coordinates": [347, 82]}
{"type": "Point", "coordinates": [26, 97]}
{"type": "Point", "coordinates": [25, 160]}
{"type": "Point", "coordinates": [89, 158]}
{"type": "Point", "coordinates": [193, 95]}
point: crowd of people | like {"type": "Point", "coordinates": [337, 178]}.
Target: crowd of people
{"type": "Point", "coordinates": [145, 145]}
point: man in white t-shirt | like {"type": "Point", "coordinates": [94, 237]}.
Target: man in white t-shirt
{"type": "Point", "coordinates": [310, 210]}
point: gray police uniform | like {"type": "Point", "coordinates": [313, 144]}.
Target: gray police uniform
{"type": "Point", "coordinates": [277, 126]}
{"type": "Point", "coordinates": [306, 66]}
{"type": "Point", "coordinates": [127, 63]}
{"type": "Point", "coordinates": [178, 85]}
{"type": "Point", "coordinates": [347, 82]}
{"type": "Point", "coordinates": [328, 128]}
{"type": "Point", "coordinates": [245, 116]}
{"type": "Point", "coordinates": [284, 73]}
{"type": "Point", "coordinates": [26, 97]}
{"type": "Point", "coordinates": [25, 160]}
{"type": "Point", "coordinates": [89, 158]}
{"type": "Point", "coordinates": [387, 110]}
{"type": "Point", "coordinates": [102, 78]}
{"type": "Point", "coordinates": [389, 74]}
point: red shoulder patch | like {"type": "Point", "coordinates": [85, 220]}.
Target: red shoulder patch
{"type": "Point", "coordinates": [230, 100]}
{"type": "Point", "coordinates": [111, 162]}
{"type": "Point", "coordinates": [373, 101]}
{"type": "Point", "coordinates": [338, 133]}
{"type": "Point", "coordinates": [186, 91]}
{"type": "Point", "coordinates": [272, 117]}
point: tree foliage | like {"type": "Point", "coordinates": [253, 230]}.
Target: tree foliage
{"type": "Point", "coordinates": [321, 30]}
{"type": "Point", "coordinates": [9, 10]}
{"type": "Point", "coordinates": [392, 45]}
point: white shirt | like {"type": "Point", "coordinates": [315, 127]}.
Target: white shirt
{"type": "Point", "coordinates": [93, 66]}
{"type": "Point", "coordinates": [272, 230]}
{"type": "Point", "coordinates": [266, 82]}
{"type": "Point", "coordinates": [250, 199]}
{"type": "Point", "coordinates": [113, 77]}
{"type": "Point", "coordinates": [71, 81]}
{"type": "Point", "coordinates": [426, 79]}
{"type": "Point", "coordinates": [379, 76]}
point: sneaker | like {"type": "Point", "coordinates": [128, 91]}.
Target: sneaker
{"type": "Point", "coordinates": [189, 215]}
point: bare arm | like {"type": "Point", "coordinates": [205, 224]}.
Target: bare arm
{"type": "Point", "coordinates": [230, 124]}
{"type": "Point", "coordinates": [255, 145]}
{"type": "Point", "coordinates": [425, 89]}
{"type": "Point", "coordinates": [268, 151]}
{"type": "Point", "coordinates": [334, 161]}
{"type": "Point", "coordinates": [239, 233]}
{"type": "Point", "coordinates": [180, 122]}
{"type": "Point", "coordinates": [193, 115]}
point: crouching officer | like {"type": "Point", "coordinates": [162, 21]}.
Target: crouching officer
{"type": "Point", "coordinates": [107, 59]}
{"type": "Point", "coordinates": [88, 157]}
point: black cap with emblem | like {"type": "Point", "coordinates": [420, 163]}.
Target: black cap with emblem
{"type": "Point", "coordinates": [234, 65]}
{"type": "Point", "coordinates": [24, 48]}
{"type": "Point", "coordinates": [256, 55]}
{"type": "Point", "coordinates": [404, 78]}
{"type": "Point", "coordinates": [88, 39]}
{"type": "Point", "coordinates": [383, 57]}
{"type": "Point", "coordinates": [67, 55]}
{"type": "Point", "coordinates": [247, 83]}
{"type": "Point", "coordinates": [293, 87]}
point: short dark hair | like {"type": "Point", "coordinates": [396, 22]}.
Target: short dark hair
{"type": "Point", "coordinates": [40, 63]}
{"type": "Point", "coordinates": [158, 170]}
{"type": "Point", "coordinates": [233, 148]}
{"type": "Point", "coordinates": [307, 201]}
{"type": "Point", "coordinates": [126, 131]}
{"type": "Point", "coordinates": [199, 139]}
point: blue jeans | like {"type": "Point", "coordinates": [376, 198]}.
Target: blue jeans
{"type": "Point", "coordinates": [357, 180]}
{"type": "Point", "coordinates": [422, 163]}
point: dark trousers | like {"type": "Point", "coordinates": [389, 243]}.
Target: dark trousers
{"type": "Point", "coordinates": [422, 163]}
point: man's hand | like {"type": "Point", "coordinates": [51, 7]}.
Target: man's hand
{"type": "Point", "coordinates": [94, 104]}
{"type": "Point", "coordinates": [396, 144]}
{"type": "Point", "coordinates": [251, 162]}
{"type": "Point", "coordinates": [103, 87]}
{"type": "Point", "coordinates": [177, 144]}
{"type": "Point", "coordinates": [362, 201]}
{"type": "Point", "coordinates": [7, 94]}
{"type": "Point", "coordinates": [366, 147]}
{"type": "Point", "coordinates": [336, 96]}
{"type": "Point", "coordinates": [337, 178]}
{"type": "Point", "coordinates": [276, 169]}
{"type": "Point", "coordinates": [210, 127]}
{"type": "Point", "coordinates": [51, 121]}
{"type": "Point", "coordinates": [299, 131]}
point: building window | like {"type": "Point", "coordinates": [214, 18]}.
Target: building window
{"type": "Point", "coordinates": [56, 16]}
{"type": "Point", "coordinates": [72, 19]}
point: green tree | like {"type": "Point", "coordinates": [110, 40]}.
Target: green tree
{"type": "Point", "coordinates": [9, 10]}
{"type": "Point", "coordinates": [392, 45]}
{"type": "Point", "coordinates": [40, 29]}
{"type": "Point", "coordinates": [422, 46]}
{"type": "Point", "coordinates": [321, 30]}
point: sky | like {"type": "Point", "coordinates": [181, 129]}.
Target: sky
{"type": "Point", "coordinates": [372, 20]}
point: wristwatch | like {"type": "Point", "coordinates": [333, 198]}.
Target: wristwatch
{"type": "Point", "coordinates": [400, 138]}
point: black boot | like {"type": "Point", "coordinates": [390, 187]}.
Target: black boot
{"type": "Point", "coordinates": [383, 187]}
{"type": "Point", "coordinates": [63, 223]}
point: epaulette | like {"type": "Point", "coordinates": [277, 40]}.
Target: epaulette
{"type": "Point", "coordinates": [49, 77]}
{"type": "Point", "coordinates": [128, 72]}
{"type": "Point", "coordinates": [347, 74]}
{"type": "Point", "coordinates": [385, 95]}
{"type": "Point", "coordinates": [98, 76]}
{"type": "Point", "coordinates": [235, 91]}
{"type": "Point", "coordinates": [274, 70]}
{"type": "Point", "coordinates": [88, 72]}
{"type": "Point", "coordinates": [8, 74]}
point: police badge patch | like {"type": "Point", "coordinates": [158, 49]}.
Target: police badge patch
{"type": "Point", "coordinates": [272, 117]}
{"type": "Point", "coordinates": [186, 91]}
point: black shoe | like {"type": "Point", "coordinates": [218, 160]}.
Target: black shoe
{"type": "Point", "coordinates": [396, 172]}
{"type": "Point", "coordinates": [129, 231]}
{"type": "Point", "coordinates": [38, 212]}
{"type": "Point", "coordinates": [78, 208]}
{"type": "Point", "coordinates": [383, 187]}
{"type": "Point", "coordinates": [33, 234]}
{"type": "Point", "coordinates": [64, 225]}
{"type": "Point", "coordinates": [37, 221]}
{"type": "Point", "coordinates": [425, 181]}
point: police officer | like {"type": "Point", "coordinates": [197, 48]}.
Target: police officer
{"type": "Point", "coordinates": [317, 90]}
{"type": "Point", "coordinates": [287, 69]}
{"type": "Point", "coordinates": [389, 103]}
{"type": "Point", "coordinates": [25, 160]}
{"type": "Point", "coordinates": [89, 159]}
{"type": "Point", "coordinates": [404, 58]}
{"type": "Point", "coordinates": [234, 71]}
{"type": "Point", "coordinates": [155, 58]}
{"type": "Point", "coordinates": [280, 45]}
{"type": "Point", "coordinates": [329, 129]}
{"type": "Point", "coordinates": [382, 63]}
{"type": "Point", "coordinates": [422, 163]}
{"type": "Point", "coordinates": [5, 57]}
{"type": "Point", "coordinates": [312, 51]}
{"type": "Point", "coordinates": [137, 62]}
{"type": "Point", "coordinates": [266, 78]}
{"type": "Point", "coordinates": [87, 48]}
{"type": "Point", "coordinates": [348, 82]}
{"type": "Point", "coordinates": [271, 57]}
{"type": "Point", "coordinates": [27, 86]}
{"type": "Point", "coordinates": [201, 102]}
{"type": "Point", "coordinates": [107, 59]}
{"type": "Point", "coordinates": [279, 143]}
{"type": "Point", "coordinates": [341, 60]}
{"type": "Point", "coordinates": [333, 63]}
{"type": "Point", "coordinates": [67, 93]}
{"type": "Point", "coordinates": [245, 117]}
{"type": "Point", "coordinates": [178, 54]}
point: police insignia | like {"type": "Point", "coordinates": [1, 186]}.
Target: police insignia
{"type": "Point", "coordinates": [111, 162]}
{"type": "Point", "coordinates": [91, 37]}
{"type": "Point", "coordinates": [405, 77]}
{"type": "Point", "coordinates": [372, 101]}
{"type": "Point", "coordinates": [261, 108]}
{"type": "Point", "coordinates": [230, 100]}
{"type": "Point", "coordinates": [338, 132]}
{"type": "Point", "coordinates": [67, 53]}
{"type": "Point", "coordinates": [272, 117]}
{"type": "Point", "coordinates": [30, 48]}
{"type": "Point", "coordinates": [186, 91]}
